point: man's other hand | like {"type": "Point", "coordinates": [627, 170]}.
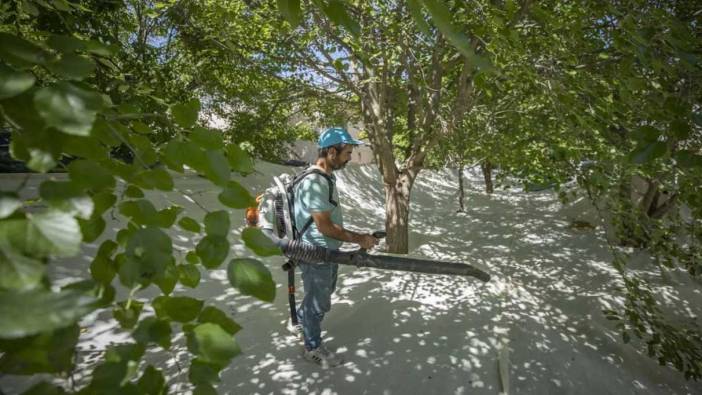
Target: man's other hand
{"type": "Point", "coordinates": [367, 241]}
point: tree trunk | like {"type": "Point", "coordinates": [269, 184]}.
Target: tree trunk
{"type": "Point", "coordinates": [397, 206]}
{"type": "Point", "coordinates": [461, 194]}
{"type": "Point", "coordinates": [486, 166]}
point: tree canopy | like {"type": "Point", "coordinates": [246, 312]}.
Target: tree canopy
{"type": "Point", "coordinates": [123, 95]}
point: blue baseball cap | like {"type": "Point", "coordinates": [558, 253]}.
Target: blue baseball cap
{"type": "Point", "coordinates": [336, 135]}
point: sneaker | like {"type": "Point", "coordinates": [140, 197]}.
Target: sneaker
{"type": "Point", "coordinates": [323, 357]}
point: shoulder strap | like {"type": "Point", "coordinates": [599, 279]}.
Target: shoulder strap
{"type": "Point", "coordinates": [299, 178]}
{"type": "Point", "coordinates": [312, 170]}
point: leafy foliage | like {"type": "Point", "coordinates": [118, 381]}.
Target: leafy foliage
{"type": "Point", "coordinates": [123, 94]}
{"type": "Point", "coordinates": [78, 97]}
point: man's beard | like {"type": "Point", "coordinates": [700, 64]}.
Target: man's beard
{"type": "Point", "coordinates": [340, 166]}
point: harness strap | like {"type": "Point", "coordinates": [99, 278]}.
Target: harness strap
{"type": "Point", "coordinates": [289, 266]}
{"type": "Point", "coordinates": [296, 181]}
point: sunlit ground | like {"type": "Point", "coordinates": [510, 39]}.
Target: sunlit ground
{"type": "Point", "coordinates": [535, 328]}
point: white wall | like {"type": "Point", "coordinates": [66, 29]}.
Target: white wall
{"type": "Point", "coordinates": [307, 150]}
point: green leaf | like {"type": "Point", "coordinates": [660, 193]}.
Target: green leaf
{"type": "Point", "coordinates": [30, 9]}
{"type": "Point", "coordinates": [49, 352]}
{"type": "Point", "coordinates": [107, 249]}
{"type": "Point", "coordinates": [42, 235]}
{"type": "Point", "coordinates": [239, 160]}
{"type": "Point", "coordinates": [207, 138]}
{"type": "Point", "coordinates": [216, 167]}
{"type": "Point", "coordinates": [212, 250]}
{"type": "Point", "coordinates": [152, 382]}
{"type": "Point", "coordinates": [290, 9]}
{"type": "Point", "coordinates": [153, 330]}
{"type": "Point", "coordinates": [85, 147]}
{"type": "Point", "coordinates": [54, 191]}
{"type": "Point", "coordinates": [196, 159]}
{"type": "Point", "coordinates": [44, 388]}
{"type": "Point", "coordinates": [648, 152]}
{"type": "Point", "coordinates": [32, 312]}
{"type": "Point", "coordinates": [415, 9]}
{"type": "Point", "coordinates": [646, 134]}
{"type": "Point", "coordinates": [259, 243]}
{"type": "Point", "coordinates": [336, 11]}
{"type": "Point", "coordinates": [40, 160]}
{"type": "Point", "coordinates": [174, 155]}
{"type": "Point", "coordinates": [144, 148]}
{"type": "Point", "coordinates": [60, 230]}
{"type": "Point", "coordinates": [120, 366]}
{"type": "Point", "coordinates": [90, 175]}
{"type": "Point", "coordinates": [688, 159]}
{"type": "Point", "coordinates": [127, 316]}
{"type": "Point", "coordinates": [191, 257]}
{"type": "Point", "coordinates": [236, 196]}
{"type": "Point", "coordinates": [141, 211]}
{"type": "Point", "coordinates": [681, 129]}
{"type": "Point", "coordinates": [9, 203]}
{"type": "Point", "coordinates": [18, 272]}
{"type": "Point", "coordinates": [217, 223]}
{"type": "Point", "coordinates": [103, 201]}
{"type": "Point", "coordinates": [13, 82]}
{"type": "Point", "coordinates": [100, 49]}
{"type": "Point", "coordinates": [189, 275]}
{"type": "Point", "coordinates": [92, 228]}
{"type": "Point", "coordinates": [167, 216]}
{"type": "Point", "coordinates": [185, 114]}
{"type": "Point", "coordinates": [204, 389]}
{"type": "Point", "coordinates": [148, 252]}
{"type": "Point", "coordinates": [20, 111]}
{"type": "Point", "coordinates": [189, 224]}
{"type": "Point", "coordinates": [156, 178]}
{"type": "Point", "coordinates": [201, 372]}
{"type": "Point", "coordinates": [68, 108]}
{"type": "Point", "coordinates": [441, 16]}
{"type": "Point", "coordinates": [72, 66]}
{"type": "Point", "coordinates": [102, 269]}
{"type": "Point", "coordinates": [167, 279]}
{"type": "Point", "coordinates": [20, 52]}
{"type": "Point", "coordinates": [123, 236]}
{"type": "Point", "coordinates": [107, 378]}
{"type": "Point", "coordinates": [104, 133]}
{"type": "Point", "coordinates": [212, 344]}
{"type": "Point", "coordinates": [697, 118]}
{"type": "Point", "coordinates": [66, 196]}
{"type": "Point", "coordinates": [141, 127]}
{"type": "Point", "coordinates": [250, 277]}
{"type": "Point", "coordinates": [217, 316]}
{"type": "Point", "coordinates": [133, 192]}
{"type": "Point", "coordinates": [178, 308]}
{"type": "Point", "coordinates": [66, 44]}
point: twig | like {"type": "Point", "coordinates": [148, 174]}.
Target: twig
{"type": "Point", "coordinates": [23, 183]}
{"type": "Point", "coordinates": [125, 142]}
{"type": "Point", "coordinates": [193, 199]}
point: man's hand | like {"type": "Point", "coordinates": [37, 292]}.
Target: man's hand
{"type": "Point", "coordinates": [367, 241]}
{"type": "Point", "coordinates": [325, 225]}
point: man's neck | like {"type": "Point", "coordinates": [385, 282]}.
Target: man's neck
{"type": "Point", "coordinates": [324, 165]}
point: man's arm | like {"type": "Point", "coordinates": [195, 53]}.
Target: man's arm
{"type": "Point", "coordinates": [328, 228]}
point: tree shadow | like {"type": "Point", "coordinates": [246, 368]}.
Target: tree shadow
{"type": "Point", "coordinates": [409, 333]}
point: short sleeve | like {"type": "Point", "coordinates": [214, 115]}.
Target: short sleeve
{"type": "Point", "coordinates": [314, 194]}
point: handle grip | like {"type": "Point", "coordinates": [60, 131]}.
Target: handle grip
{"type": "Point", "coordinates": [380, 234]}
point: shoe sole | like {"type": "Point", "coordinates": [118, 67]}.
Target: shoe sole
{"type": "Point", "coordinates": [321, 362]}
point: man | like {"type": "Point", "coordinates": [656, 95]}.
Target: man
{"type": "Point", "coordinates": [327, 230]}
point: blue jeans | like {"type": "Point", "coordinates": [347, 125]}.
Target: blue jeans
{"type": "Point", "coordinates": [319, 281]}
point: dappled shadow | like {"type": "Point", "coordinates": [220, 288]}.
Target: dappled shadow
{"type": "Point", "coordinates": [409, 333]}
